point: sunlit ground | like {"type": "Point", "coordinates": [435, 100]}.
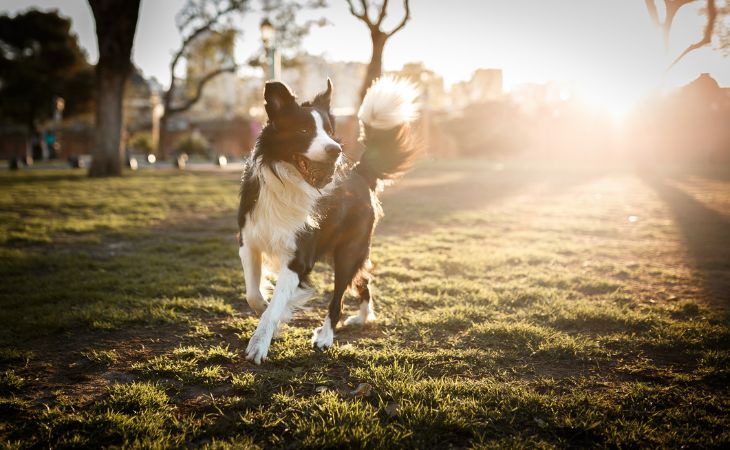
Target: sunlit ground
{"type": "Point", "coordinates": [518, 306]}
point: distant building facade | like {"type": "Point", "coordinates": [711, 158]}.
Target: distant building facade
{"type": "Point", "coordinates": [484, 85]}
{"type": "Point", "coordinates": [309, 76]}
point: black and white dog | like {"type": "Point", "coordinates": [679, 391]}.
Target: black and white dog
{"type": "Point", "coordinates": [300, 203]}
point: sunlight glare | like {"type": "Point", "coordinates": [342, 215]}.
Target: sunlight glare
{"type": "Point", "coordinates": [617, 103]}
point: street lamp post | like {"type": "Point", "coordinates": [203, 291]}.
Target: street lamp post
{"type": "Point", "coordinates": [268, 36]}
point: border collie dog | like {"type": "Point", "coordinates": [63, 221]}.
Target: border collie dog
{"type": "Point", "coordinates": [300, 203]}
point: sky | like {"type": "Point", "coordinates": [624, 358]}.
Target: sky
{"type": "Point", "coordinates": [608, 50]}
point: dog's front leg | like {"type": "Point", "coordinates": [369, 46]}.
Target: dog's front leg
{"type": "Point", "coordinates": [258, 346]}
{"type": "Point", "coordinates": [251, 262]}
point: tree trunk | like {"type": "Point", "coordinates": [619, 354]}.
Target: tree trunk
{"type": "Point", "coordinates": [108, 153]}
{"type": "Point", "coordinates": [116, 23]}
{"type": "Point", "coordinates": [375, 68]}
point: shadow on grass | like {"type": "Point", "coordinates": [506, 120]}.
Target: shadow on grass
{"type": "Point", "coordinates": [705, 232]}
{"type": "Point", "coordinates": [151, 275]}
{"type": "Point", "coordinates": [428, 197]}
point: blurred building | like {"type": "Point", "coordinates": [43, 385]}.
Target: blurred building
{"type": "Point", "coordinates": [484, 85]}
{"type": "Point", "coordinates": [140, 100]}
{"type": "Point", "coordinates": [536, 96]}
{"type": "Point", "coordinates": [308, 77]}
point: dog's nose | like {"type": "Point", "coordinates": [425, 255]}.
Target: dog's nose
{"type": "Point", "coordinates": [333, 151]}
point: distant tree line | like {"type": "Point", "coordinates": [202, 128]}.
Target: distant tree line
{"type": "Point", "coordinates": [40, 64]}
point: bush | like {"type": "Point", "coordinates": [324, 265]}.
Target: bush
{"type": "Point", "coordinates": [141, 143]}
{"type": "Point", "coordinates": [193, 144]}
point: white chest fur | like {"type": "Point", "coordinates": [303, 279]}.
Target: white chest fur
{"type": "Point", "coordinates": [284, 206]}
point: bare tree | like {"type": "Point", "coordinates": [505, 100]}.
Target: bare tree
{"type": "Point", "coordinates": [723, 28]}
{"type": "Point", "coordinates": [378, 36]}
{"type": "Point", "coordinates": [116, 23]}
{"type": "Point", "coordinates": [671, 8]}
{"type": "Point", "coordinates": [199, 19]}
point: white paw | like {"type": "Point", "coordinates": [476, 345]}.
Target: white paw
{"type": "Point", "coordinates": [365, 315]}
{"type": "Point", "coordinates": [257, 303]}
{"type": "Point", "coordinates": [355, 319]}
{"type": "Point", "coordinates": [323, 336]}
{"type": "Point", "coordinates": [258, 345]}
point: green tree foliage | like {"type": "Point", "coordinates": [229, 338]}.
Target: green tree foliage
{"type": "Point", "coordinates": [40, 59]}
{"type": "Point", "coordinates": [193, 144]}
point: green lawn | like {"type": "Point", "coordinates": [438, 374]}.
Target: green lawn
{"type": "Point", "coordinates": [518, 307]}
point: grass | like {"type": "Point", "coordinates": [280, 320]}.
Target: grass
{"type": "Point", "coordinates": [518, 307]}
{"type": "Point", "coordinates": [102, 357]}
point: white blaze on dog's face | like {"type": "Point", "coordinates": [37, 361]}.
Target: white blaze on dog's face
{"type": "Point", "coordinates": [323, 147]}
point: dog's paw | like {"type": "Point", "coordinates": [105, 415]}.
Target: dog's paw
{"type": "Point", "coordinates": [365, 315]}
{"type": "Point", "coordinates": [258, 304]}
{"type": "Point", "coordinates": [355, 319]}
{"type": "Point", "coordinates": [258, 347]}
{"type": "Point", "coordinates": [323, 337]}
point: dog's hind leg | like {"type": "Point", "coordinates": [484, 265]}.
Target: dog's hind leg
{"type": "Point", "coordinates": [348, 260]}
{"type": "Point", "coordinates": [251, 262]}
{"type": "Point", "coordinates": [362, 288]}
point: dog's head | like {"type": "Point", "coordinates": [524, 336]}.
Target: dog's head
{"type": "Point", "coordinates": [302, 135]}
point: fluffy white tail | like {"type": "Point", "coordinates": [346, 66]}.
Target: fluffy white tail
{"type": "Point", "coordinates": [386, 113]}
{"type": "Point", "coordinates": [388, 103]}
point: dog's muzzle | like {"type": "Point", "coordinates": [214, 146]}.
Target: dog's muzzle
{"type": "Point", "coordinates": [317, 174]}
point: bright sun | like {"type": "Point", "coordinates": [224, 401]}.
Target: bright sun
{"type": "Point", "coordinates": [618, 103]}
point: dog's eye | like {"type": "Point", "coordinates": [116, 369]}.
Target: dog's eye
{"type": "Point", "coordinates": [304, 131]}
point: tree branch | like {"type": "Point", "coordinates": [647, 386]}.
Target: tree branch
{"type": "Point", "coordinates": [179, 54]}
{"type": "Point", "coordinates": [672, 7]}
{"type": "Point", "coordinates": [651, 8]}
{"type": "Point", "coordinates": [707, 36]}
{"type": "Point", "coordinates": [199, 90]}
{"type": "Point", "coordinates": [365, 11]}
{"type": "Point", "coordinates": [383, 12]}
{"type": "Point", "coordinates": [364, 16]}
{"type": "Point", "coordinates": [407, 16]}
{"type": "Point", "coordinates": [207, 25]}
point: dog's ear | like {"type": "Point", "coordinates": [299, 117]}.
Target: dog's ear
{"type": "Point", "coordinates": [278, 98]}
{"type": "Point", "coordinates": [323, 98]}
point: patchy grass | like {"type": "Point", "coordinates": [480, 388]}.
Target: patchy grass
{"type": "Point", "coordinates": [102, 357]}
{"type": "Point", "coordinates": [10, 381]}
{"type": "Point", "coordinates": [517, 308]}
